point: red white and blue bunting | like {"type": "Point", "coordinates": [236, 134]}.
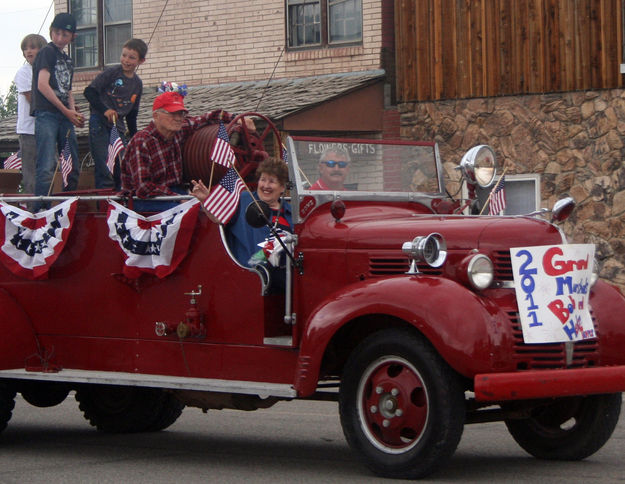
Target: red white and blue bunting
{"type": "Point", "coordinates": [156, 244]}
{"type": "Point", "coordinates": [30, 243]}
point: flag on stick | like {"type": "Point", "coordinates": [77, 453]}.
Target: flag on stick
{"type": "Point", "coordinates": [115, 147]}
{"type": "Point", "coordinates": [498, 198]}
{"type": "Point", "coordinates": [222, 151]}
{"type": "Point", "coordinates": [224, 198]}
{"type": "Point", "coordinates": [14, 162]}
{"type": "Point", "coordinates": [66, 161]}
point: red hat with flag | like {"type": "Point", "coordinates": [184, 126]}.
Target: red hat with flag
{"type": "Point", "coordinates": [169, 101]}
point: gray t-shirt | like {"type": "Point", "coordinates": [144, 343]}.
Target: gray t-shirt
{"type": "Point", "coordinates": [61, 69]}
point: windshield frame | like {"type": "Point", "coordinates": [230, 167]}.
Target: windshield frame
{"type": "Point", "coordinates": [302, 195]}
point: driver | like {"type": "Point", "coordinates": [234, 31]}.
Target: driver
{"type": "Point", "coordinates": [243, 239]}
{"type": "Point", "coordinates": [152, 163]}
{"type": "Point", "coordinates": [333, 169]}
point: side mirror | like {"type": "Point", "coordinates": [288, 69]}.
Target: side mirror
{"type": "Point", "coordinates": [257, 214]}
{"type": "Point", "coordinates": [562, 209]}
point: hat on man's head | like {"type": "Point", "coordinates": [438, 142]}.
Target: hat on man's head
{"type": "Point", "coordinates": [65, 21]}
{"type": "Point", "coordinates": [169, 101]}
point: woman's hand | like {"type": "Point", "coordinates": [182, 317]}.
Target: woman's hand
{"type": "Point", "coordinates": [199, 190]}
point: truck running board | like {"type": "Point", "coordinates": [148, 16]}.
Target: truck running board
{"type": "Point", "coordinates": [262, 389]}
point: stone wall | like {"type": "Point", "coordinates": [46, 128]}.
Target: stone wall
{"type": "Point", "coordinates": [574, 140]}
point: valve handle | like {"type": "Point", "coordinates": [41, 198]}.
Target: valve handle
{"type": "Point", "coordinates": [194, 293]}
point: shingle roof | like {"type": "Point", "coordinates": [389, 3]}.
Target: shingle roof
{"type": "Point", "coordinates": [275, 99]}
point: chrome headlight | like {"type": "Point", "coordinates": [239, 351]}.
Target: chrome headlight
{"type": "Point", "coordinates": [430, 249]}
{"type": "Point", "coordinates": [480, 271]}
{"type": "Point", "coordinates": [478, 166]}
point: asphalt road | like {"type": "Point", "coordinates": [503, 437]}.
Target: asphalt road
{"type": "Point", "coordinates": [295, 442]}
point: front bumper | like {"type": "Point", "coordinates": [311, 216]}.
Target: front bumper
{"type": "Point", "coordinates": [526, 385]}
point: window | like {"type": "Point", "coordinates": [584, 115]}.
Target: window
{"type": "Point", "coordinates": [323, 22]}
{"type": "Point", "coordinates": [522, 194]}
{"type": "Point", "coordinates": [102, 27]}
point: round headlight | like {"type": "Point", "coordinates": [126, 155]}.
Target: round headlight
{"type": "Point", "coordinates": [478, 166]}
{"type": "Point", "coordinates": [480, 272]}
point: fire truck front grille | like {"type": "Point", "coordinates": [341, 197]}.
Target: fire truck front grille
{"type": "Point", "coordinates": [503, 265]}
{"type": "Point", "coordinates": [385, 266]}
{"type": "Point", "coordinates": [552, 355]}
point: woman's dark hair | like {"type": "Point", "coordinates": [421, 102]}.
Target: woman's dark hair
{"type": "Point", "coordinates": [275, 167]}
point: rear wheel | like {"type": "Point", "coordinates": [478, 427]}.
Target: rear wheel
{"type": "Point", "coordinates": [44, 394]}
{"type": "Point", "coordinates": [120, 409]}
{"type": "Point", "coordinates": [402, 408]}
{"type": "Point", "coordinates": [569, 428]}
{"type": "Point", "coordinates": [7, 403]}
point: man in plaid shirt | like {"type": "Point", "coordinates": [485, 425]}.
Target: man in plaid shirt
{"type": "Point", "coordinates": [152, 164]}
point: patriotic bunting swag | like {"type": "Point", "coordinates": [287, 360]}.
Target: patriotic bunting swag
{"type": "Point", "coordinates": [156, 244]}
{"type": "Point", "coordinates": [31, 243]}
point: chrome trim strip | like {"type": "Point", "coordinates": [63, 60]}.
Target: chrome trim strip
{"type": "Point", "coordinates": [261, 389]}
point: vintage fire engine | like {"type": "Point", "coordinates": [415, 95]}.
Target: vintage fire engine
{"type": "Point", "coordinates": [403, 303]}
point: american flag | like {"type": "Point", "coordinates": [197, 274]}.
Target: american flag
{"type": "Point", "coordinates": [14, 162]}
{"type": "Point", "coordinates": [224, 198]}
{"type": "Point", "coordinates": [115, 147]}
{"type": "Point", "coordinates": [222, 151]}
{"type": "Point", "coordinates": [497, 202]}
{"type": "Point", "coordinates": [66, 162]}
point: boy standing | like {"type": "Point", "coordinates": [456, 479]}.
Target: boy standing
{"type": "Point", "coordinates": [31, 45]}
{"type": "Point", "coordinates": [113, 95]}
{"type": "Point", "coordinates": [53, 106]}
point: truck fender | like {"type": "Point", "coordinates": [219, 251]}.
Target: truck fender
{"type": "Point", "coordinates": [458, 323]}
{"type": "Point", "coordinates": [18, 342]}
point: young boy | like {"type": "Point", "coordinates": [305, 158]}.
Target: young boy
{"type": "Point", "coordinates": [113, 95]}
{"type": "Point", "coordinates": [31, 45]}
{"type": "Point", "coordinates": [53, 106]}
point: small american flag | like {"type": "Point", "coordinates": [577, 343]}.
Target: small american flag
{"type": "Point", "coordinates": [66, 162]}
{"type": "Point", "coordinates": [14, 162]}
{"type": "Point", "coordinates": [222, 151]}
{"type": "Point", "coordinates": [224, 198]}
{"type": "Point", "coordinates": [497, 202]}
{"type": "Point", "coordinates": [285, 155]}
{"type": "Point", "coordinates": [115, 147]}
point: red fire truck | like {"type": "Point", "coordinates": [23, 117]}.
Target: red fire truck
{"type": "Point", "coordinates": [404, 302]}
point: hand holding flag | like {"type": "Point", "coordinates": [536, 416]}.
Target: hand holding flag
{"type": "Point", "coordinates": [223, 200]}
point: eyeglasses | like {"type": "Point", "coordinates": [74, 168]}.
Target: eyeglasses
{"type": "Point", "coordinates": [332, 163]}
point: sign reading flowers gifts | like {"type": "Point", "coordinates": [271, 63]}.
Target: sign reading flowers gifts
{"type": "Point", "coordinates": [552, 285]}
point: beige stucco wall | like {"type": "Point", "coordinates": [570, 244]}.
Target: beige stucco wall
{"type": "Point", "coordinates": [574, 140]}
{"type": "Point", "coordinates": [201, 42]}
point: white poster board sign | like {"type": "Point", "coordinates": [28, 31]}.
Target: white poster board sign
{"type": "Point", "coordinates": [552, 285]}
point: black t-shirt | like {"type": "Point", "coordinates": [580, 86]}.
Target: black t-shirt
{"type": "Point", "coordinates": [61, 69]}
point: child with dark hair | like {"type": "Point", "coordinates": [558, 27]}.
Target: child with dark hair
{"type": "Point", "coordinates": [114, 96]}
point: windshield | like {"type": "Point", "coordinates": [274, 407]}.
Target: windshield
{"type": "Point", "coordinates": [364, 166]}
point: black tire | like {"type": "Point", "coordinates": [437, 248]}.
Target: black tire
{"type": "Point", "coordinates": [44, 394]}
{"type": "Point", "coordinates": [569, 428]}
{"type": "Point", "coordinates": [7, 404]}
{"type": "Point", "coordinates": [124, 409]}
{"type": "Point", "coordinates": [402, 407]}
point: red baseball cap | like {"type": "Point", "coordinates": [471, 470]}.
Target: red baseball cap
{"type": "Point", "coordinates": [169, 101]}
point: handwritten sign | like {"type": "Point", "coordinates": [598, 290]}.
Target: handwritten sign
{"type": "Point", "coordinates": [552, 286]}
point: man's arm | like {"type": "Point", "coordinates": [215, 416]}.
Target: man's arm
{"type": "Point", "coordinates": [43, 85]}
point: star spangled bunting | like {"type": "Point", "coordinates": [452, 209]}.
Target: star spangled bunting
{"type": "Point", "coordinates": [66, 162]}
{"type": "Point", "coordinates": [222, 151]}
{"type": "Point", "coordinates": [14, 162]}
{"type": "Point", "coordinates": [115, 147]}
{"type": "Point", "coordinates": [224, 198]}
{"type": "Point", "coordinates": [497, 202]}
{"type": "Point", "coordinates": [30, 244]}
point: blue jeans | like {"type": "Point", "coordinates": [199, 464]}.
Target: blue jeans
{"type": "Point", "coordinates": [148, 205]}
{"type": "Point", "coordinates": [51, 132]}
{"type": "Point", "coordinates": [99, 137]}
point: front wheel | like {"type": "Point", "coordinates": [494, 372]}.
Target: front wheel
{"type": "Point", "coordinates": [569, 428]}
{"type": "Point", "coordinates": [402, 408]}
